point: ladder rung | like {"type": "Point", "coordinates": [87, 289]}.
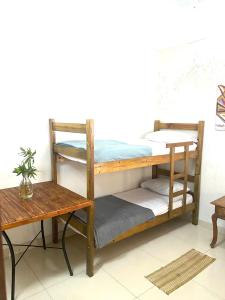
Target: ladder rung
{"type": "Point", "coordinates": [176, 194]}
{"type": "Point", "coordinates": [178, 176]}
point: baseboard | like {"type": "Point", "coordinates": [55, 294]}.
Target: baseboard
{"type": "Point", "coordinates": [207, 225]}
{"type": "Point", "coordinates": [221, 229]}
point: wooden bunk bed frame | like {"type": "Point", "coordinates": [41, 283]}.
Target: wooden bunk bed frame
{"type": "Point", "coordinates": [93, 169]}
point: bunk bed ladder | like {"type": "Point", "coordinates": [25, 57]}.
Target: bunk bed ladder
{"type": "Point", "coordinates": [174, 175]}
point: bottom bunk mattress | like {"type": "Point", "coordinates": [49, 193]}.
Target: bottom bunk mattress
{"type": "Point", "coordinates": [115, 214]}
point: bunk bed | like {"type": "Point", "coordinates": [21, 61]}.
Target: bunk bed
{"type": "Point", "coordinates": [86, 155]}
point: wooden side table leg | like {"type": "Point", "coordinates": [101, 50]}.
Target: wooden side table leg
{"type": "Point", "coordinates": [90, 241]}
{"type": "Point", "coordinates": [2, 273]}
{"type": "Point", "coordinates": [215, 230]}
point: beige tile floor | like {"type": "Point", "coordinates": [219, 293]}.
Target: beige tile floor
{"type": "Point", "coordinates": [120, 269]}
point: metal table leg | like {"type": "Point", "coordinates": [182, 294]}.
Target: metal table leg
{"type": "Point", "coordinates": [43, 234]}
{"type": "Point", "coordinates": [12, 254]}
{"type": "Point", "coordinates": [13, 262]}
{"type": "Point", "coordinates": [2, 272]}
{"type": "Point", "coordinates": [64, 246]}
{"type": "Point", "coordinates": [90, 242]}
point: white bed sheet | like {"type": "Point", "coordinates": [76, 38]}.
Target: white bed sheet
{"type": "Point", "coordinates": [157, 148]}
{"type": "Point", "coordinates": [154, 201]}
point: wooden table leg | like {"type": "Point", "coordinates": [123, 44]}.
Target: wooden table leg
{"type": "Point", "coordinates": [55, 235]}
{"type": "Point", "coordinates": [90, 241]}
{"type": "Point", "coordinates": [2, 273]}
{"type": "Point", "coordinates": [215, 230]}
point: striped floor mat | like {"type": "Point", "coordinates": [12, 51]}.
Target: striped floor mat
{"type": "Point", "coordinates": [180, 271]}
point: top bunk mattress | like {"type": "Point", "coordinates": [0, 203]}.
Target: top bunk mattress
{"type": "Point", "coordinates": [112, 150]}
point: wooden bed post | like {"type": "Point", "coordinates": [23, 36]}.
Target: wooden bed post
{"type": "Point", "coordinates": [90, 159]}
{"type": "Point", "coordinates": [155, 168]}
{"type": "Point", "coordinates": [90, 196]}
{"type": "Point", "coordinates": [186, 168]}
{"type": "Point", "coordinates": [2, 272]}
{"type": "Point", "coordinates": [197, 177]}
{"type": "Point", "coordinates": [172, 169]}
{"type": "Point", "coordinates": [55, 237]}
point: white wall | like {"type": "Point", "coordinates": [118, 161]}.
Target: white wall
{"type": "Point", "coordinates": [73, 60]}
{"type": "Point", "coordinates": [190, 66]}
{"type": "Point", "coordinates": [188, 79]}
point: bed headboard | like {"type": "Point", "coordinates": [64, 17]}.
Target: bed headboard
{"type": "Point", "coordinates": [177, 126]}
{"type": "Point", "coordinates": [199, 127]}
{"type": "Point", "coordinates": [87, 129]}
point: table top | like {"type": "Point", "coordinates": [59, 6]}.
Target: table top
{"type": "Point", "coordinates": [219, 202]}
{"type": "Point", "coordinates": [49, 200]}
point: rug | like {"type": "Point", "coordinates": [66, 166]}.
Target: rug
{"type": "Point", "coordinates": [180, 271]}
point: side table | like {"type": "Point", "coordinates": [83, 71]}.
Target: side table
{"type": "Point", "coordinates": [218, 214]}
{"type": "Point", "coordinates": [49, 200]}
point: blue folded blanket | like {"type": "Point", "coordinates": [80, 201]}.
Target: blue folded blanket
{"type": "Point", "coordinates": [110, 150]}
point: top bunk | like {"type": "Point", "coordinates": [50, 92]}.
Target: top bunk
{"type": "Point", "coordinates": [106, 156]}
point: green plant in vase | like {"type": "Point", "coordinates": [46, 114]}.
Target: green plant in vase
{"type": "Point", "coordinates": [27, 170]}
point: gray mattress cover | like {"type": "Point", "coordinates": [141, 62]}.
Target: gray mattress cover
{"type": "Point", "coordinates": [114, 216]}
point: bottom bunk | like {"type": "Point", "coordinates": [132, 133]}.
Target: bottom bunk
{"type": "Point", "coordinates": [123, 214]}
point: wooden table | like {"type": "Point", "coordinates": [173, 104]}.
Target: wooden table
{"type": "Point", "coordinates": [219, 213]}
{"type": "Point", "coordinates": [49, 200]}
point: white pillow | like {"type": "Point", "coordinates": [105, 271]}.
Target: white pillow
{"type": "Point", "coordinates": [170, 136]}
{"type": "Point", "coordinates": [161, 186]}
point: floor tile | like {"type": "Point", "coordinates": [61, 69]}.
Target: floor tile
{"type": "Point", "coordinates": [166, 247]}
{"type": "Point", "coordinates": [50, 266]}
{"type": "Point", "coordinates": [40, 296]}
{"type": "Point", "coordinates": [27, 283]}
{"type": "Point", "coordinates": [190, 290]}
{"type": "Point", "coordinates": [101, 287]}
{"type": "Point", "coordinates": [198, 237]}
{"type": "Point", "coordinates": [120, 268]}
{"type": "Point", "coordinates": [213, 277]}
{"type": "Point", "coordinates": [130, 269]}
{"type": "Point", "coordinates": [218, 251]}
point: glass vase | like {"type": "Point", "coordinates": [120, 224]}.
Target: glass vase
{"type": "Point", "coordinates": [26, 188]}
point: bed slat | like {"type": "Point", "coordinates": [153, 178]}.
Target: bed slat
{"type": "Point", "coordinates": [179, 176]}
{"type": "Point", "coordinates": [178, 126]}
{"type": "Point", "coordinates": [69, 127]}
{"type": "Point", "coordinates": [164, 172]}
{"type": "Point", "coordinates": [179, 193]}
{"type": "Point", "coordinates": [181, 144]}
